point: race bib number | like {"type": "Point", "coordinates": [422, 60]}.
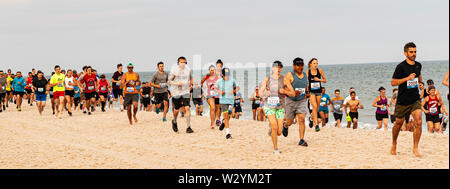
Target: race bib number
{"type": "Point", "coordinates": [60, 85]}
{"type": "Point", "coordinates": [40, 90]}
{"type": "Point", "coordinates": [3, 87]}
{"type": "Point", "coordinates": [273, 101]}
{"type": "Point", "coordinates": [90, 88]}
{"type": "Point", "coordinates": [315, 86]}
{"type": "Point", "coordinates": [130, 89]}
{"type": "Point", "coordinates": [163, 85]}
{"type": "Point", "coordinates": [237, 101]}
{"type": "Point", "coordinates": [337, 107]}
{"type": "Point", "coordinates": [383, 108]}
{"type": "Point", "coordinates": [103, 88]}
{"type": "Point", "coordinates": [147, 96]}
{"type": "Point", "coordinates": [30, 85]}
{"type": "Point", "coordinates": [257, 101]}
{"type": "Point", "coordinates": [51, 92]}
{"type": "Point", "coordinates": [323, 104]}
{"type": "Point", "coordinates": [302, 91]}
{"type": "Point", "coordinates": [433, 110]}
{"type": "Point", "coordinates": [213, 93]}
{"type": "Point", "coordinates": [413, 83]}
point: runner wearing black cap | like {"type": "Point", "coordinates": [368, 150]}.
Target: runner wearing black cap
{"type": "Point", "coordinates": [382, 112]}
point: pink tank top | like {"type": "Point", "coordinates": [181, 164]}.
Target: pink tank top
{"type": "Point", "coordinates": [210, 82]}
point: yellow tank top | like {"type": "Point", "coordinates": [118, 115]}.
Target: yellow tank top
{"type": "Point", "coordinates": [131, 86]}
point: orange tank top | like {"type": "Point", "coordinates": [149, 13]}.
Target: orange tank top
{"type": "Point", "coordinates": [130, 88]}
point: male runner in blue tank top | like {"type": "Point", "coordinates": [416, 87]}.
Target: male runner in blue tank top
{"type": "Point", "coordinates": [297, 91]}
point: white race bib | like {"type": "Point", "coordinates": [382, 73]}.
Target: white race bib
{"type": "Point", "coordinates": [130, 89]}
{"type": "Point", "coordinates": [60, 85]}
{"type": "Point", "coordinates": [147, 96]}
{"type": "Point", "coordinates": [213, 93]}
{"type": "Point", "coordinates": [433, 110]}
{"type": "Point", "coordinates": [103, 88]}
{"type": "Point", "coordinates": [273, 101]}
{"type": "Point", "coordinates": [90, 88]}
{"type": "Point", "coordinates": [315, 86]}
{"type": "Point", "coordinates": [337, 107]}
{"type": "Point", "coordinates": [30, 85]}
{"type": "Point", "coordinates": [323, 104]}
{"type": "Point", "coordinates": [237, 101]}
{"type": "Point", "coordinates": [257, 101]}
{"type": "Point", "coordinates": [413, 83]}
{"type": "Point", "coordinates": [40, 90]}
{"type": "Point", "coordinates": [163, 85]}
{"type": "Point", "coordinates": [3, 87]}
{"type": "Point", "coordinates": [51, 92]}
{"type": "Point", "coordinates": [383, 108]}
{"type": "Point", "coordinates": [302, 91]}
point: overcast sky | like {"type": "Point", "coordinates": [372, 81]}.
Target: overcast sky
{"type": "Point", "coordinates": [102, 33]}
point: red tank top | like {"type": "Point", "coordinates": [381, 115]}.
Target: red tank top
{"type": "Point", "coordinates": [433, 105]}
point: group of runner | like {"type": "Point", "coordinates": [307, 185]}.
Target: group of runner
{"type": "Point", "coordinates": [282, 100]}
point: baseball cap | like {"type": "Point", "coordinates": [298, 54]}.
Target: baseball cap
{"type": "Point", "coordinates": [298, 61]}
{"type": "Point", "coordinates": [130, 64]}
{"type": "Point", "coordinates": [226, 72]}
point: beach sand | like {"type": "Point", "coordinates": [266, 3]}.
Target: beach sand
{"type": "Point", "coordinates": [106, 140]}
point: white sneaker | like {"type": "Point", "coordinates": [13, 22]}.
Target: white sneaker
{"type": "Point", "coordinates": [276, 152]}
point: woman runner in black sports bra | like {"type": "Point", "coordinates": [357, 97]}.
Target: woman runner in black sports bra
{"type": "Point", "coordinates": [315, 79]}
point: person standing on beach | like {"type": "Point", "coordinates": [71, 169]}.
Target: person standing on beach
{"type": "Point", "coordinates": [129, 83]}
{"type": "Point", "coordinates": [2, 91]}
{"type": "Point", "coordinates": [273, 87]}
{"type": "Point", "coordinates": [315, 79]}
{"type": "Point", "coordinates": [407, 76]}
{"type": "Point", "coordinates": [57, 82]}
{"type": "Point", "coordinates": [212, 97]}
{"type": "Point", "coordinates": [18, 85]}
{"type": "Point", "coordinates": [382, 112]}
{"type": "Point", "coordinates": [117, 92]}
{"type": "Point", "coordinates": [337, 105]}
{"type": "Point", "coordinates": [349, 120]}
{"type": "Point", "coordinates": [226, 88]}
{"type": "Point", "coordinates": [296, 82]}
{"type": "Point", "coordinates": [354, 104]}
{"type": "Point", "coordinates": [160, 90]}
{"type": "Point", "coordinates": [40, 86]}
{"type": "Point", "coordinates": [180, 81]}
{"type": "Point", "coordinates": [88, 85]}
{"type": "Point", "coordinates": [435, 106]}
{"type": "Point", "coordinates": [325, 101]}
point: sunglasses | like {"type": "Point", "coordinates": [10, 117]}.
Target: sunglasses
{"type": "Point", "coordinates": [130, 67]}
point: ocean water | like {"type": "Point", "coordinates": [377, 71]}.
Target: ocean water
{"type": "Point", "coordinates": [365, 78]}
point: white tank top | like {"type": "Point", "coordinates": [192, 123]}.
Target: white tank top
{"type": "Point", "coordinates": [67, 81]}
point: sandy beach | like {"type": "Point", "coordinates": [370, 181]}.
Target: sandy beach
{"type": "Point", "coordinates": [106, 140]}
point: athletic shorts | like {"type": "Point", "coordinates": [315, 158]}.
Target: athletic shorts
{"type": "Point", "coordinates": [325, 111]}
{"type": "Point", "coordinates": [255, 106]}
{"type": "Point", "coordinates": [58, 94]}
{"type": "Point", "coordinates": [19, 93]}
{"type": "Point", "coordinates": [318, 93]}
{"type": "Point", "coordinates": [279, 113]}
{"type": "Point", "coordinates": [392, 118]}
{"type": "Point", "coordinates": [105, 95]}
{"type": "Point", "coordinates": [295, 107]}
{"type": "Point", "coordinates": [117, 93]}
{"type": "Point", "coordinates": [180, 102]}
{"type": "Point", "coordinates": [96, 95]}
{"type": "Point", "coordinates": [353, 115]}
{"type": "Point", "coordinates": [29, 91]}
{"type": "Point", "coordinates": [69, 93]}
{"type": "Point", "coordinates": [197, 101]}
{"type": "Point", "coordinates": [237, 109]}
{"type": "Point", "coordinates": [401, 110]}
{"type": "Point", "coordinates": [2, 97]}
{"type": "Point", "coordinates": [128, 99]}
{"type": "Point", "coordinates": [432, 118]}
{"type": "Point", "coordinates": [226, 108]}
{"type": "Point", "coordinates": [380, 117]}
{"type": "Point", "coordinates": [146, 101]}
{"type": "Point", "coordinates": [217, 100]}
{"type": "Point", "coordinates": [41, 97]}
{"type": "Point", "coordinates": [337, 116]}
{"type": "Point", "coordinates": [76, 101]}
{"type": "Point", "coordinates": [160, 97]}
{"type": "Point", "coordinates": [89, 96]}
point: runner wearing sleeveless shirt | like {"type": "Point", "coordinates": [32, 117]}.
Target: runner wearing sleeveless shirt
{"type": "Point", "coordinates": [2, 91]}
{"type": "Point", "coordinates": [273, 87]}
{"type": "Point", "coordinates": [130, 81]}
{"type": "Point", "coordinates": [28, 89]}
{"type": "Point", "coordinates": [146, 93]}
{"type": "Point", "coordinates": [433, 101]}
{"type": "Point", "coordinates": [256, 105]}
{"type": "Point", "coordinates": [407, 76]}
{"type": "Point", "coordinates": [57, 82]}
{"type": "Point", "coordinates": [297, 91]}
{"type": "Point", "coordinates": [70, 82]}
{"type": "Point", "coordinates": [212, 97]}
{"type": "Point", "coordinates": [103, 89]}
{"type": "Point", "coordinates": [382, 112]}
{"type": "Point", "coordinates": [315, 78]}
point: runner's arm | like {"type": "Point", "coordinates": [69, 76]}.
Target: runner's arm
{"type": "Point", "coordinates": [324, 79]}
{"type": "Point", "coordinates": [445, 81]}
{"type": "Point", "coordinates": [443, 108]}
{"type": "Point", "coordinates": [397, 82]}
{"type": "Point", "coordinates": [423, 105]}
{"type": "Point", "coordinates": [287, 82]}
{"type": "Point", "coordinates": [374, 104]}
{"type": "Point", "coordinates": [360, 105]}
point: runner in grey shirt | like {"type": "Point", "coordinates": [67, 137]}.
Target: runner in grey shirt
{"type": "Point", "coordinates": [159, 83]}
{"type": "Point", "coordinates": [2, 91]}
